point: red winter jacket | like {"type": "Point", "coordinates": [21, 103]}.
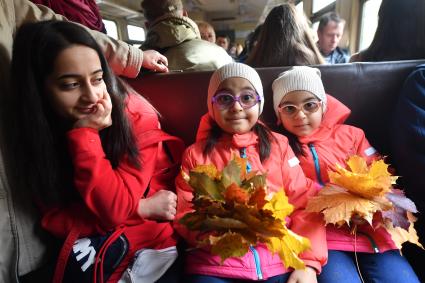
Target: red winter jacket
{"type": "Point", "coordinates": [283, 171]}
{"type": "Point", "coordinates": [334, 142]}
{"type": "Point", "coordinates": [111, 196]}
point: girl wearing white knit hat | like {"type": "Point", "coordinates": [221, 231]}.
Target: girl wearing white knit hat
{"type": "Point", "coordinates": [313, 123]}
{"type": "Point", "coordinates": [231, 128]}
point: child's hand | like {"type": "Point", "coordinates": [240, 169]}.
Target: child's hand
{"type": "Point", "coordinates": [160, 206]}
{"type": "Point", "coordinates": [101, 116]}
{"type": "Point", "coordinates": [308, 275]}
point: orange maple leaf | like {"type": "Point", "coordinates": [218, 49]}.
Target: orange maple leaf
{"type": "Point", "coordinates": [339, 205]}
{"type": "Point", "coordinates": [234, 193]}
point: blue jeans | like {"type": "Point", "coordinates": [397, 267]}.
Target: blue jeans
{"type": "Point", "coordinates": [389, 267]}
{"type": "Point", "coordinates": [194, 278]}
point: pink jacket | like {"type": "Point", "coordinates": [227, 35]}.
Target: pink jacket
{"type": "Point", "coordinates": [333, 142]}
{"type": "Point", "coordinates": [283, 171]}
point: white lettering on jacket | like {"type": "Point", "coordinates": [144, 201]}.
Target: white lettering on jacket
{"type": "Point", "coordinates": [369, 151]}
{"type": "Point", "coordinates": [293, 161]}
{"type": "Point", "coordinates": [83, 247]}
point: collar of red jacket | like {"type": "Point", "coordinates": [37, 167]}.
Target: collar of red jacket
{"type": "Point", "coordinates": [335, 114]}
{"type": "Point", "coordinates": [239, 141]}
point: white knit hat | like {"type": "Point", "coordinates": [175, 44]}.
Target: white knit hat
{"type": "Point", "coordinates": [234, 70]}
{"type": "Point", "coordinates": [298, 78]}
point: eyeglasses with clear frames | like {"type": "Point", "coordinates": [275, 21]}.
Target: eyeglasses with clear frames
{"type": "Point", "coordinates": [246, 99]}
{"type": "Point", "coordinates": [307, 108]}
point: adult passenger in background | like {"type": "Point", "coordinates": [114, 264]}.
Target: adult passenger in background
{"type": "Point", "coordinates": [250, 42]}
{"type": "Point", "coordinates": [408, 146]}
{"type": "Point", "coordinates": [223, 41]}
{"type": "Point", "coordinates": [176, 36]}
{"type": "Point", "coordinates": [400, 34]}
{"type": "Point", "coordinates": [329, 32]}
{"type": "Point", "coordinates": [285, 40]}
{"type": "Point", "coordinates": [207, 31]}
{"type": "Point", "coordinates": [21, 242]}
{"type": "Point", "coordinates": [83, 12]}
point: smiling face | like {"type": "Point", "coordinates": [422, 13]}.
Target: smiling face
{"type": "Point", "coordinates": [76, 83]}
{"type": "Point", "coordinates": [235, 119]}
{"type": "Point", "coordinates": [301, 123]}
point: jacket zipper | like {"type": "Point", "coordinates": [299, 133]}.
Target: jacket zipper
{"type": "Point", "coordinates": [257, 263]}
{"type": "Point", "coordinates": [316, 163]}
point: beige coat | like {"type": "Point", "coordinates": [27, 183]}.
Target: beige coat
{"type": "Point", "coordinates": [21, 248]}
{"type": "Point", "coordinates": [178, 39]}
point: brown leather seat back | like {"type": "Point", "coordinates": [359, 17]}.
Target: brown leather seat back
{"type": "Point", "coordinates": [370, 90]}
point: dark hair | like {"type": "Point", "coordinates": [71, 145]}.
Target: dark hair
{"type": "Point", "coordinates": [294, 142]}
{"type": "Point", "coordinates": [400, 34]}
{"type": "Point", "coordinates": [329, 17]}
{"type": "Point", "coordinates": [263, 132]}
{"type": "Point", "coordinates": [41, 154]}
{"type": "Point", "coordinates": [285, 40]}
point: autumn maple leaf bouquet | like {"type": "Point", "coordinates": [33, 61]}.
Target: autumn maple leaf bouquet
{"type": "Point", "coordinates": [232, 212]}
{"type": "Point", "coordinates": [360, 192]}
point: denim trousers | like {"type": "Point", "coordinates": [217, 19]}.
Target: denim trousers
{"type": "Point", "coordinates": [194, 278]}
{"type": "Point", "coordinates": [387, 267]}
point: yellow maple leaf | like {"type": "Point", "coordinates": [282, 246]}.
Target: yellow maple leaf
{"type": "Point", "coordinates": [339, 205]}
{"type": "Point", "coordinates": [228, 245]}
{"type": "Point", "coordinates": [367, 182]}
{"type": "Point", "coordinates": [288, 248]}
{"type": "Point", "coordinates": [279, 205]}
{"type": "Point", "coordinates": [210, 170]}
{"type": "Point", "coordinates": [400, 235]}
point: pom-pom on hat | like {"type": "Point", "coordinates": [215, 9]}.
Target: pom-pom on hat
{"type": "Point", "coordinates": [298, 78]}
{"type": "Point", "coordinates": [232, 70]}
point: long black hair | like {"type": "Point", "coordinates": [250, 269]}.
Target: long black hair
{"type": "Point", "coordinates": [263, 132]}
{"type": "Point", "coordinates": [400, 34]}
{"type": "Point", "coordinates": [41, 162]}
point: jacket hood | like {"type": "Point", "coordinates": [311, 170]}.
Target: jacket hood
{"type": "Point", "coordinates": [170, 30]}
{"type": "Point", "coordinates": [336, 113]}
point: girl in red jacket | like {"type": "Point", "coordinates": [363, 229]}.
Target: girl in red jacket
{"type": "Point", "coordinates": [313, 123]}
{"type": "Point", "coordinates": [82, 149]}
{"type": "Point", "coordinates": [231, 127]}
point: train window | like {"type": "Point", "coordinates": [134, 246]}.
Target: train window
{"type": "Point", "coordinates": [320, 4]}
{"type": "Point", "coordinates": [136, 33]}
{"type": "Point", "coordinates": [300, 7]}
{"type": "Point", "coordinates": [111, 28]}
{"type": "Point", "coordinates": [369, 22]}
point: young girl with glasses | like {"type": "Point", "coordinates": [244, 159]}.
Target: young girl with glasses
{"type": "Point", "coordinates": [232, 127]}
{"type": "Point", "coordinates": [313, 123]}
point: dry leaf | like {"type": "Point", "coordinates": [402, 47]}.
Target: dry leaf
{"type": "Point", "coordinates": [234, 193]}
{"type": "Point", "coordinates": [229, 245]}
{"type": "Point", "coordinates": [210, 170]}
{"type": "Point", "coordinates": [279, 205]}
{"type": "Point", "coordinates": [367, 182]}
{"type": "Point", "coordinates": [232, 205]}
{"type": "Point", "coordinates": [338, 205]}
{"type": "Point", "coordinates": [400, 235]}
{"type": "Point", "coordinates": [289, 247]}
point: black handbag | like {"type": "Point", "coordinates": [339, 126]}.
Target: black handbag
{"type": "Point", "coordinates": [90, 259]}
